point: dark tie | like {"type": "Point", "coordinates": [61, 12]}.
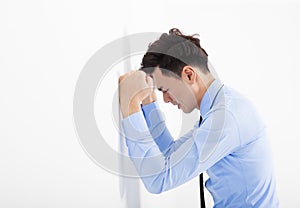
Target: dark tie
{"type": "Point", "coordinates": [202, 200]}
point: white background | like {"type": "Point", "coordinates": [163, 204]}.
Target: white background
{"type": "Point", "coordinates": [254, 47]}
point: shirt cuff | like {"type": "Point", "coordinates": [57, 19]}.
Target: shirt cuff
{"type": "Point", "coordinates": [153, 114]}
{"type": "Point", "coordinates": [135, 127]}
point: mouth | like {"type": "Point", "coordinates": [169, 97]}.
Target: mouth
{"type": "Point", "coordinates": [179, 106]}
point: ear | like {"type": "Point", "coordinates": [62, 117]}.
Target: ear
{"type": "Point", "coordinates": [188, 74]}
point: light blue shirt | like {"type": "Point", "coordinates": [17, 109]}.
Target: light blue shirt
{"type": "Point", "coordinates": [230, 144]}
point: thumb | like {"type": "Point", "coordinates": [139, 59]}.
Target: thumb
{"type": "Point", "coordinates": [149, 81]}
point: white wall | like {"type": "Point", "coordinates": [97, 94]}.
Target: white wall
{"type": "Point", "coordinates": [44, 45]}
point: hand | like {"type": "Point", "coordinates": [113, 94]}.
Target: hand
{"type": "Point", "coordinates": [150, 99]}
{"type": "Point", "coordinates": [134, 87]}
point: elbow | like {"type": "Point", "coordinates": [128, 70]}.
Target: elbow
{"type": "Point", "coordinates": [153, 186]}
{"type": "Point", "coordinates": [153, 190]}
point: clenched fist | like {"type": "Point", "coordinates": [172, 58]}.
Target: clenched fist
{"type": "Point", "coordinates": [134, 87]}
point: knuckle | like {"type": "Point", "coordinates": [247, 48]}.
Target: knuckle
{"type": "Point", "coordinates": [141, 73]}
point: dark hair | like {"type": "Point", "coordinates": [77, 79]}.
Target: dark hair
{"type": "Point", "coordinates": [171, 52]}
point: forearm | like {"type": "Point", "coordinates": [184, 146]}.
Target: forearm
{"type": "Point", "coordinates": [185, 158]}
{"type": "Point", "coordinates": [157, 126]}
{"type": "Point", "coordinates": [158, 171]}
{"type": "Point", "coordinates": [144, 153]}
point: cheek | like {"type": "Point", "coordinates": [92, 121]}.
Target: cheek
{"type": "Point", "coordinates": [187, 95]}
{"type": "Point", "coordinates": [182, 93]}
{"type": "Point", "coordinates": [190, 100]}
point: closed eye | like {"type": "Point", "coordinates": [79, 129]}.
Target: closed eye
{"type": "Point", "coordinates": [162, 90]}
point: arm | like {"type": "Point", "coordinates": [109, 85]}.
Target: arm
{"type": "Point", "coordinates": [185, 158]}
{"type": "Point", "coordinates": [157, 126]}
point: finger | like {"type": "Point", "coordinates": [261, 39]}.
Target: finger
{"type": "Point", "coordinates": [149, 81]}
{"type": "Point", "coordinates": [124, 76]}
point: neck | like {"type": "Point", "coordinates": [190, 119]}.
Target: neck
{"type": "Point", "coordinates": [204, 82]}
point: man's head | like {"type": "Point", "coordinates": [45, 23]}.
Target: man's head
{"type": "Point", "coordinates": [175, 62]}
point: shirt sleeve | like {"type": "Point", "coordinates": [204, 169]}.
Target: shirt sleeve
{"type": "Point", "coordinates": [157, 126]}
{"type": "Point", "coordinates": [186, 157]}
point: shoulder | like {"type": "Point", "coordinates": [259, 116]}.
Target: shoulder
{"type": "Point", "coordinates": [243, 111]}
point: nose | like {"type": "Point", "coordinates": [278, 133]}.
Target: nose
{"type": "Point", "coordinates": [167, 97]}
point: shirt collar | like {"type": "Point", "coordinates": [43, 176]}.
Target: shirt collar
{"type": "Point", "coordinates": [209, 96]}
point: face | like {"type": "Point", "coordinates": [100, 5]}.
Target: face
{"type": "Point", "coordinates": [178, 91]}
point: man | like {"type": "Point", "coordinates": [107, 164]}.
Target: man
{"type": "Point", "coordinates": [229, 142]}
